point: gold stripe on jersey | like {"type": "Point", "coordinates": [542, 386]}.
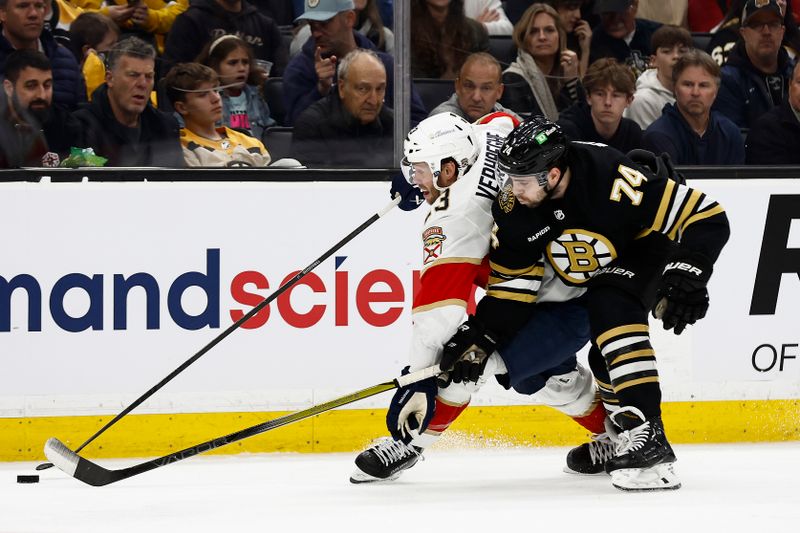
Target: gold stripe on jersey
{"type": "Point", "coordinates": [633, 354]}
{"type": "Point", "coordinates": [603, 384]}
{"type": "Point", "coordinates": [716, 210]}
{"type": "Point", "coordinates": [620, 331]}
{"type": "Point", "coordinates": [519, 285]}
{"type": "Point", "coordinates": [640, 381]}
{"type": "Point", "coordinates": [680, 207]}
{"type": "Point", "coordinates": [448, 260]}
{"type": "Point", "coordinates": [607, 396]}
{"type": "Point", "coordinates": [534, 272]}
{"type": "Point", "coordinates": [686, 211]}
{"type": "Point", "coordinates": [442, 303]}
{"type": "Point", "coordinates": [663, 209]}
{"type": "Point", "coordinates": [629, 356]}
{"type": "Point", "coordinates": [500, 270]}
{"type": "Point", "coordinates": [523, 297]}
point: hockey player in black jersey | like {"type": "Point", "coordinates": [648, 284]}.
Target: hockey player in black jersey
{"type": "Point", "coordinates": [582, 220]}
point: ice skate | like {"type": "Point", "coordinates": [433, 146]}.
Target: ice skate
{"type": "Point", "coordinates": [385, 461]}
{"type": "Point", "coordinates": [643, 458]}
{"type": "Point", "coordinates": [590, 457]}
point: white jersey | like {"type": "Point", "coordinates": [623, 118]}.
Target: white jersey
{"type": "Point", "coordinates": [455, 242]}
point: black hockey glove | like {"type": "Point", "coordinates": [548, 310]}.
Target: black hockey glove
{"type": "Point", "coordinates": [411, 194]}
{"type": "Point", "coordinates": [411, 409]}
{"type": "Point", "coordinates": [466, 353]}
{"type": "Point", "coordinates": [682, 298]}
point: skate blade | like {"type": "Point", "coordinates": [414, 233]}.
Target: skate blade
{"type": "Point", "coordinates": [658, 477]}
{"type": "Point", "coordinates": [358, 477]}
{"type": "Point", "coordinates": [568, 470]}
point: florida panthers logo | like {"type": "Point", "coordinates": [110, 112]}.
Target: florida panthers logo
{"type": "Point", "coordinates": [432, 243]}
{"type": "Point", "coordinates": [577, 255]}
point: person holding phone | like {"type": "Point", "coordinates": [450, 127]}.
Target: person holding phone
{"type": "Point", "coordinates": [544, 77]}
{"type": "Point", "coordinates": [579, 31]}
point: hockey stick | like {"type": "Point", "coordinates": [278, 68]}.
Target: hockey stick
{"type": "Point", "coordinates": [230, 329]}
{"type": "Point", "coordinates": [95, 475]}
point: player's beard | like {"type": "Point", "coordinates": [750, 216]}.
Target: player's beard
{"type": "Point", "coordinates": [39, 116]}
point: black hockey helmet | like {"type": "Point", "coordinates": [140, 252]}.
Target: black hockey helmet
{"type": "Point", "coordinates": [534, 146]}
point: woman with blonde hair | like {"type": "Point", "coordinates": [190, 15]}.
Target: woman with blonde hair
{"type": "Point", "coordinates": [544, 77]}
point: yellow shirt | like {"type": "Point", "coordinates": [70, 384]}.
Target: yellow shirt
{"type": "Point", "coordinates": [234, 149]}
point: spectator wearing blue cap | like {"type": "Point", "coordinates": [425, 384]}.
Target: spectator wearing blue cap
{"type": "Point", "coordinates": [311, 74]}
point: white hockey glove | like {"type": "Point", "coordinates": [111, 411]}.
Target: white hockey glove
{"type": "Point", "coordinates": [411, 409]}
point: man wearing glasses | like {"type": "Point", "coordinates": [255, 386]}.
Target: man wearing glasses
{"type": "Point", "coordinates": [756, 77]}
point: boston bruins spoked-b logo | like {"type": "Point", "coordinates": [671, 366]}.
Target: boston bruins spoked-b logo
{"type": "Point", "coordinates": [576, 255]}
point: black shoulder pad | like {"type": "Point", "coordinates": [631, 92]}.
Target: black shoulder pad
{"type": "Point", "coordinates": [660, 165]}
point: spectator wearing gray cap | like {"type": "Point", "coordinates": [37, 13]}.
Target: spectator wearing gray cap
{"type": "Point", "coordinates": [756, 77]}
{"type": "Point", "coordinates": [311, 74]}
{"type": "Point", "coordinates": [622, 35]}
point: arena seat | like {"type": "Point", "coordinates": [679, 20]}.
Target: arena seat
{"type": "Point", "coordinates": [273, 94]}
{"type": "Point", "coordinates": [433, 91]}
{"type": "Point", "coordinates": [278, 141]}
{"type": "Point", "coordinates": [502, 48]}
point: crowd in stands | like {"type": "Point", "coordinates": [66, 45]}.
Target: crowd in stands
{"type": "Point", "coordinates": [184, 83]}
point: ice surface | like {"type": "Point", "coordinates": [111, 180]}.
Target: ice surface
{"type": "Point", "coordinates": [726, 488]}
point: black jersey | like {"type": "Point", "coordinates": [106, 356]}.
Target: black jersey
{"type": "Point", "coordinates": [612, 209]}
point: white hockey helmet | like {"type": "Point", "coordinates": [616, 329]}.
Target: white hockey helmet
{"type": "Point", "coordinates": [439, 137]}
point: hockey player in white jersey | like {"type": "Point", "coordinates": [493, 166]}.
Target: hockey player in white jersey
{"type": "Point", "coordinates": [453, 163]}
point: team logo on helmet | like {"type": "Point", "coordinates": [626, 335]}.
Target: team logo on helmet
{"type": "Point", "coordinates": [541, 138]}
{"type": "Point", "coordinates": [432, 244]}
{"type": "Point", "coordinates": [577, 255]}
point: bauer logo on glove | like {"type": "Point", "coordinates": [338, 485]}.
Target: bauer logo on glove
{"type": "Point", "coordinates": [682, 297]}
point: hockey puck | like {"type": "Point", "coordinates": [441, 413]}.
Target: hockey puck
{"type": "Point", "coordinates": [28, 479]}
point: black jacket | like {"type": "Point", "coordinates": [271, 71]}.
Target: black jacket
{"type": "Point", "coordinates": [300, 81]}
{"type": "Point", "coordinates": [576, 121]}
{"type": "Point", "coordinates": [69, 88]}
{"type": "Point", "coordinates": [743, 94]}
{"type": "Point", "coordinates": [636, 54]}
{"type": "Point", "coordinates": [327, 135]}
{"type": "Point", "coordinates": [774, 138]}
{"type": "Point", "coordinates": [21, 145]}
{"type": "Point", "coordinates": [61, 129]}
{"type": "Point", "coordinates": [157, 144]}
{"type": "Point", "coordinates": [206, 20]}
{"type": "Point", "coordinates": [721, 144]}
